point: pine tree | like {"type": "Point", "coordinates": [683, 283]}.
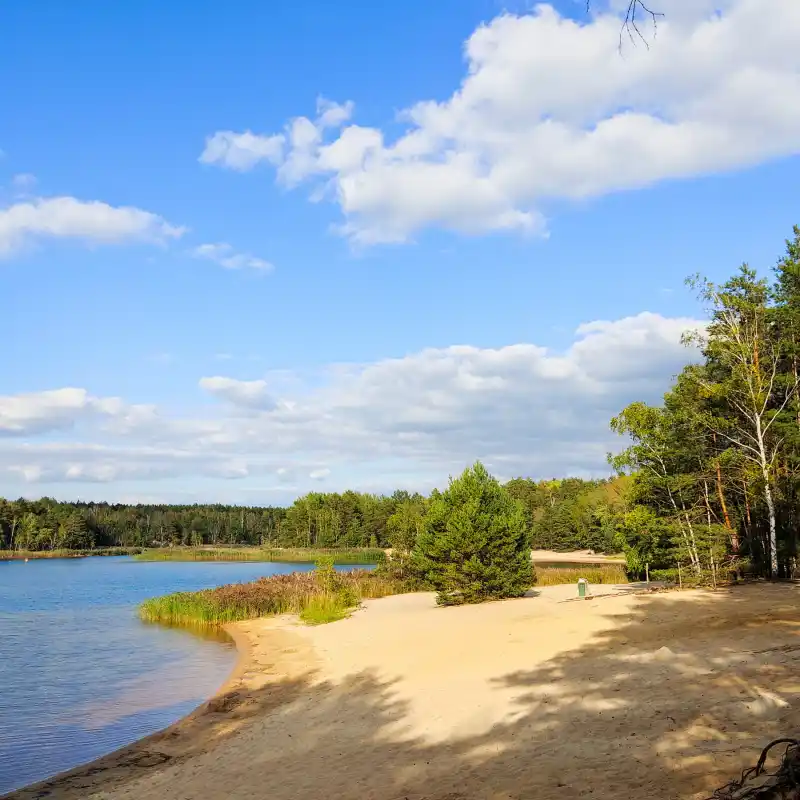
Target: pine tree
{"type": "Point", "coordinates": [475, 544]}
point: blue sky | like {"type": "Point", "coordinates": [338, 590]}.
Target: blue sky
{"type": "Point", "coordinates": [555, 182]}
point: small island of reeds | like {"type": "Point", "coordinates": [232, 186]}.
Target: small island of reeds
{"type": "Point", "coordinates": [320, 596]}
{"type": "Point", "coordinates": [290, 555]}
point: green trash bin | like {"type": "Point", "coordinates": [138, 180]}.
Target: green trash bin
{"type": "Point", "coordinates": [583, 585]}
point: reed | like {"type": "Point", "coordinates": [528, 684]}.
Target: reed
{"type": "Point", "coordinates": [16, 555]}
{"type": "Point", "coordinates": [277, 594]}
{"type": "Point", "coordinates": [324, 608]}
{"type": "Point", "coordinates": [594, 573]}
{"type": "Point", "coordinates": [299, 555]}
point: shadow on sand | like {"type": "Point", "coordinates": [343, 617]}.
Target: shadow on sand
{"type": "Point", "coordinates": [602, 721]}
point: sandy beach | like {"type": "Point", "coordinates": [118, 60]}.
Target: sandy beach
{"type": "Point", "coordinates": [574, 557]}
{"type": "Point", "coordinates": [665, 694]}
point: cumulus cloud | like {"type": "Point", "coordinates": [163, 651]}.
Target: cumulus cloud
{"type": "Point", "coordinates": [223, 254]}
{"type": "Point", "coordinates": [67, 217]}
{"type": "Point", "coordinates": [247, 394]}
{"type": "Point", "coordinates": [241, 151]}
{"type": "Point", "coordinates": [43, 412]}
{"type": "Point", "coordinates": [549, 109]}
{"type": "Point", "coordinates": [523, 409]}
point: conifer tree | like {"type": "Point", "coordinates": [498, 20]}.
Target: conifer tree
{"type": "Point", "coordinates": [476, 544]}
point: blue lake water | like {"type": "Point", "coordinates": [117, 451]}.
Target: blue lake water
{"type": "Point", "coordinates": [80, 675]}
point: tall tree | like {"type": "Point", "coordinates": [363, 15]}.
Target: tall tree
{"type": "Point", "coordinates": [743, 359]}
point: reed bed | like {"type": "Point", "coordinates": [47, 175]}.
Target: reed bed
{"type": "Point", "coordinates": [277, 594]}
{"type": "Point", "coordinates": [16, 555]}
{"type": "Point", "coordinates": [594, 573]}
{"type": "Point", "coordinates": [299, 555]}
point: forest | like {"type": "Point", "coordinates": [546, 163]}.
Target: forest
{"type": "Point", "coordinates": [563, 515]}
{"type": "Point", "coordinates": [715, 467]}
{"type": "Point", "coordinates": [708, 484]}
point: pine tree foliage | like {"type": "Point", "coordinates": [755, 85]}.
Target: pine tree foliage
{"type": "Point", "coordinates": [476, 544]}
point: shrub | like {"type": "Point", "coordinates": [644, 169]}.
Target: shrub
{"type": "Point", "coordinates": [475, 544]}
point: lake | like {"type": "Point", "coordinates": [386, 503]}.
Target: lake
{"type": "Point", "coordinates": [81, 676]}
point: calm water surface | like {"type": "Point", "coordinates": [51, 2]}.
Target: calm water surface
{"type": "Point", "coordinates": [80, 675]}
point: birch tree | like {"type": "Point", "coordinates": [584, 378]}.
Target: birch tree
{"type": "Point", "coordinates": [742, 370]}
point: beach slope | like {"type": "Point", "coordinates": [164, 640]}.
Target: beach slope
{"type": "Point", "coordinates": [621, 696]}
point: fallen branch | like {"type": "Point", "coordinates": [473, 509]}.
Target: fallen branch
{"type": "Point", "coordinates": [758, 784]}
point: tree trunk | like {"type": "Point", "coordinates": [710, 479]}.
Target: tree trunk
{"type": "Point", "coordinates": [733, 534]}
{"type": "Point", "coordinates": [686, 540]}
{"type": "Point", "coordinates": [773, 538]}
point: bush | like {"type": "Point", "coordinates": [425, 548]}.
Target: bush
{"type": "Point", "coordinates": [475, 544]}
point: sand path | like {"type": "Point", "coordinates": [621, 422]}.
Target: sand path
{"type": "Point", "coordinates": [625, 696]}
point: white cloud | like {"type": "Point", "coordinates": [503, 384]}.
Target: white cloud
{"type": "Point", "coordinates": [249, 394]}
{"type": "Point", "coordinates": [550, 109]}
{"type": "Point", "coordinates": [42, 412]}
{"type": "Point", "coordinates": [411, 421]}
{"type": "Point", "coordinates": [224, 255]}
{"type": "Point", "coordinates": [241, 151]}
{"type": "Point", "coordinates": [67, 217]}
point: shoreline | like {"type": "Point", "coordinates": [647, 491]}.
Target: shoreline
{"type": "Point", "coordinates": [187, 736]}
{"type": "Point", "coordinates": [537, 696]}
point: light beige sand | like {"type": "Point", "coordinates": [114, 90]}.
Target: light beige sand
{"type": "Point", "coordinates": [575, 557]}
{"type": "Point", "coordinates": [662, 695]}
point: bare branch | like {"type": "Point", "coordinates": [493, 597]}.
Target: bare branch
{"type": "Point", "coordinates": [630, 24]}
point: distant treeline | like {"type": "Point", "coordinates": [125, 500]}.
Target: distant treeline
{"type": "Point", "coordinates": [563, 514]}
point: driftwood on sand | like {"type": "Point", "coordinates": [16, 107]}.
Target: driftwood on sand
{"type": "Point", "coordinates": [761, 783]}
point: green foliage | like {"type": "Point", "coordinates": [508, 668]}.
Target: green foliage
{"type": "Point", "coordinates": [476, 543]}
{"type": "Point", "coordinates": [645, 539]}
{"type": "Point", "coordinates": [716, 467]}
{"type": "Point", "coordinates": [326, 574]}
{"type": "Point", "coordinates": [571, 514]}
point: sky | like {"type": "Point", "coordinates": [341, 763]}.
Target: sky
{"type": "Point", "coordinates": [250, 250]}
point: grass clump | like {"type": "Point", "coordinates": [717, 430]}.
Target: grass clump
{"type": "Point", "coordinates": [595, 573]}
{"type": "Point", "coordinates": [298, 555]}
{"type": "Point", "coordinates": [325, 608]}
{"type": "Point", "coordinates": [277, 594]}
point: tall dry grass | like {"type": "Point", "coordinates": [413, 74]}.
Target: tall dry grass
{"type": "Point", "coordinates": [594, 573]}
{"type": "Point", "coordinates": [16, 555]}
{"type": "Point", "coordinates": [277, 594]}
{"type": "Point", "coordinates": [290, 555]}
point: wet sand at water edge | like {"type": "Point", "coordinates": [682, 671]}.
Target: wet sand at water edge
{"type": "Point", "coordinates": [625, 695]}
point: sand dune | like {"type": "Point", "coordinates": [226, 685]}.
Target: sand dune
{"type": "Point", "coordinates": [624, 696]}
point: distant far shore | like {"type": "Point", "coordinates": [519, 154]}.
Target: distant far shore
{"type": "Point", "coordinates": [28, 555]}
{"type": "Point", "coordinates": [353, 555]}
